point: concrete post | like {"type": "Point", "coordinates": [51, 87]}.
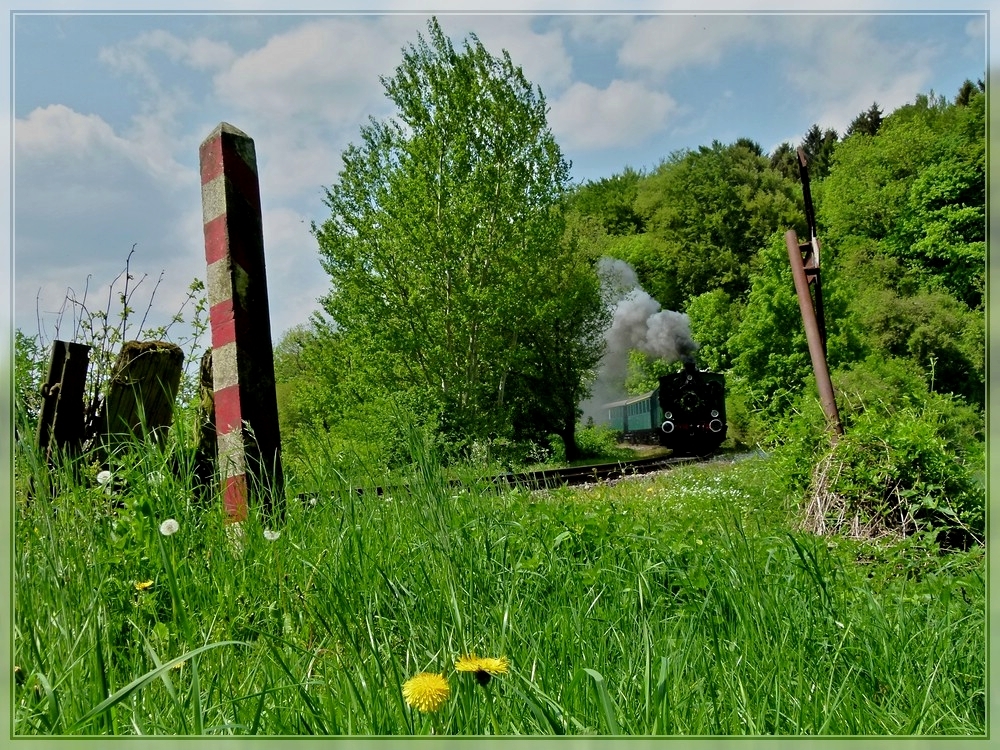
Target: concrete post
{"type": "Point", "coordinates": [246, 407]}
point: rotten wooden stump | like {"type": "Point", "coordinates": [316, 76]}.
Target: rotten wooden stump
{"type": "Point", "coordinates": [140, 401]}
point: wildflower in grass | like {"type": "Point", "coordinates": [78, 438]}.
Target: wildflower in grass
{"type": "Point", "coordinates": [155, 478]}
{"type": "Point", "coordinates": [143, 585]}
{"type": "Point", "coordinates": [168, 527]}
{"type": "Point", "coordinates": [485, 668]}
{"type": "Point", "coordinates": [104, 479]}
{"type": "Point", "coordinates": [271, 536]}
{"type": "Point", "coordinates": [426, 691]}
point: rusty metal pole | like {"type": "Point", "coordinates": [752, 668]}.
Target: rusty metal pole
{"type": "Point", "coordinates": [810, 250]}
{"type": "Point", "coordinates": [813, 337]}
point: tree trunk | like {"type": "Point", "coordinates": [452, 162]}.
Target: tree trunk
{"type": "Point", "coordinates": [568, 435]}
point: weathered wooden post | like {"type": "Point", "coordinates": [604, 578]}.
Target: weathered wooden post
{"type": "Point", "coordinates": [246, 407]}
{"type": "Point", "coordinates": [207, 449]}
{"type": "Point", "coordinates": [60, 423]}
{"type": "Point", "coordinates": [141, 392]}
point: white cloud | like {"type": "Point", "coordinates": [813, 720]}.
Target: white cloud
{"type": "Point", "coordinates": [841, 67]}
{"type": "Point", "coordinates": [306, 92]}
{"type": "Point", "coordinates": [541, 55]}
{"type": "Point", "coordinates": [662, 44]}
{"type": "Point", "coordinates": [976, 31]}
{"type": "Point", "coordinates": [322, 71]}
{"type": "Point", "coordinates": [599, 29]}
{"type": "Point", "coordinates": [69, 138]}
{"type": "Point", "coordinates": [135, 56]}
{"type": "Point", "coordinates": [57, 129]}
{"type": "Point", "coordinates": [625, 113]}
{"type": "Point", "coordinates": [160, 108]}
{"type": "Point", "coordinates": [199, 53]}
{"type": "Point", "coordinates": [84, 196]}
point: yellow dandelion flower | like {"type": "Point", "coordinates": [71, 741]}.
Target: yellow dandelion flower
{"type": "Point", "coordinates": [143, 585]}
{"type": "Point", "coordinates": [426, 691]}
{"type": "Point", "coordinates": [484, 667]}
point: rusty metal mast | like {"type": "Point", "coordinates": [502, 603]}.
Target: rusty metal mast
{"type": "Point", "coordinates": [804, 259]}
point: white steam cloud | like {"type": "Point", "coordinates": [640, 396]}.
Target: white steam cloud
{"type": "Point", "coordinates": [638, 323]}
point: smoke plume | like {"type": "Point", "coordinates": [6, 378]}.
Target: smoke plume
{"type": "Point", "coordinates": [638, 323]}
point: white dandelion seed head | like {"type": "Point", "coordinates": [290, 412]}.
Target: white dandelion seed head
{"type": "Point", "coordinates": [103, 477]}
{"type": "Point", "coordinates": [168, 527]}
{"type": "Point", "coordinates": [271, 536]}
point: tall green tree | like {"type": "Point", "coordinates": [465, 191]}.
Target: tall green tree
{"type": "Point", "coordinates": [714, 319]}
{"type": "Point", "coordinates": [868, 122]}
{"type": "Point", "coordinates": [819, 146]}
{"type": "Point", "coordinates": [785, 160]}
{"type": "Point", "coordinates": [968, 90]}
{"type": "Point", "coordinates": [446, 247]}
{"type": "Point", "coordinates": [610, 201]}
{"type": "Point", "coordinates": [707, 213]}
{"type": "Point", "coordinates": [918, 189]}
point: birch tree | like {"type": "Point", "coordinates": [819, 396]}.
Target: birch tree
{"type": "Point", "coordinates": [445, 245]}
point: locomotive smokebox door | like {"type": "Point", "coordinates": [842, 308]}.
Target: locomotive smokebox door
{"type": "Point", "coordinates": [694, 411]}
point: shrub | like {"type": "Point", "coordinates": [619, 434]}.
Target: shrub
{"type": "Point", "coordinates": [892, 473]}
{"type": "Point", "coordinates": [909, 460]}
{"type": "Point", "coordinates": [600, 441]}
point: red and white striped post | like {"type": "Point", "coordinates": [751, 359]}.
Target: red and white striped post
{"type": "Point", "coordinates": [246, 407]}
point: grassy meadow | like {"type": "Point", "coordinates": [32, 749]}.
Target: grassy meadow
{"type": "Point", "coordinates": [676, 604]}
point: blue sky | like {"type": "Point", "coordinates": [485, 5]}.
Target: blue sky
{"type": "Point", "coordinates": [109, 111]}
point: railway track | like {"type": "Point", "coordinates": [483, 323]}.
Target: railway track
{"type": "Point", "coordinates": [577, 475]}
{"type": "Point", "coordinates": [552, 478]}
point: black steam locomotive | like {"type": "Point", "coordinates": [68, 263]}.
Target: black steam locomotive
{"type": "Point", "coordinates": [686, 413]}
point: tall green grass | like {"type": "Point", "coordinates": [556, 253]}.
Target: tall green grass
{"type": "Point", "coordinates": [680, 604]}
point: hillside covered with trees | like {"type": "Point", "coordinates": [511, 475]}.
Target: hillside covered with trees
{"type": "Point", "coordinates": [900, 205]}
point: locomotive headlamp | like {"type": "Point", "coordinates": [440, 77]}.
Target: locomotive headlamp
{"type": "Point", "coordinates": [668, 415]}
{"type": "Point", "coordinates": [715, 413]}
